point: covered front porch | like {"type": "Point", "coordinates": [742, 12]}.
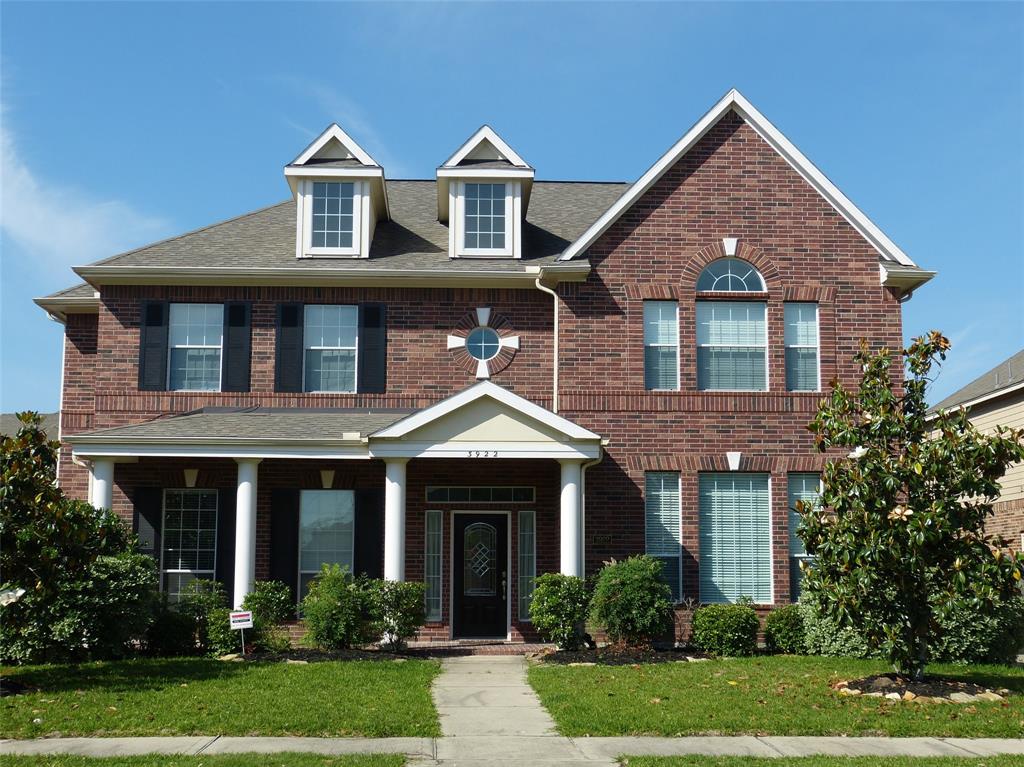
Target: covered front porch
{"type": "Point", "coordinates": [474, 496]}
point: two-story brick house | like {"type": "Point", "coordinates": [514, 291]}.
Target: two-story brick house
{"type": "Point", "coordinates": [480, 377]}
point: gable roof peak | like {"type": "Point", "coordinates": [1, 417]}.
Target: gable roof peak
{"type": "Point", "coordinates": [334, 144]}
{"type": "Point", "coordinates": [483, 146]}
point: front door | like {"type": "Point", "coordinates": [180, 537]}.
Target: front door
{"type": "Point", "coordinates": [480, 576]}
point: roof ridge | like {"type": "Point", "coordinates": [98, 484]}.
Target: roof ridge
{"type": "Point", "coordinates": [190, 232]}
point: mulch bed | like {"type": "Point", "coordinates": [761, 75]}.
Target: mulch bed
{"type": "Point", "coordinates": [314, 655]}
{"type": "Point", "coordinates": [929, 688]}
{"type": "Point", "coordinates": [619, 656]}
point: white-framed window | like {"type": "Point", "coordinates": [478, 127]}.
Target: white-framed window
{"type": "Point", "coordinates": [802, 486]}
{"type": "Point", "coordinates": [195, 339]}
{"type": "Point", "coordinates": [662, 523]}
{"type": "Point", "coordinates": [802, 339]}
{"type": "Point", "coordinates": [735, 536]}
{"type": "Point", "coordinates": [730, 275]}
{"type": "Point", "coordinates": [661, 345]}
{"type": "Point", "coordinates": [486, 213]}
{"type": "Point", "coordinates": [333, 217]}
{"type": "Point", "coordinates": [188, 543]}
{"type": "Point", "coordinates": [326, 532]}
{"type": "Point", "coordinates": [527, 562]}
{"type": "Point", "coordinates": [469, 494]}
{"type": "Point", "coordinates": [434, 540]}
{"type": "Point", "coordinates": [331, 338]}
{"type": "Point", "coordinates": [732, 346]}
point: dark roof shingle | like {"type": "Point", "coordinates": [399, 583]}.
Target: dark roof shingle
{"type": "Point", "coordinates": [1007, 373]}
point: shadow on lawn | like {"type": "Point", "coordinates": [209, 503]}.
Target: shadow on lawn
{"type": "Point", "coordinates": [125, 676]}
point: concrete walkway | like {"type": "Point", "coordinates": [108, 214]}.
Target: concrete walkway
{"type": "Point", "coordinates": [491, 716]}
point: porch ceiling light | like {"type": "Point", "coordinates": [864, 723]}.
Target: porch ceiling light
{"type": "Point", "coordinates": [190, 477]}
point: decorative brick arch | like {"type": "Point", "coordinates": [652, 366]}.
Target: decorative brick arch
{"type": "Point", "coordinates": [745, 252]}
{"type": "Point", "coordinates": [497, 322]}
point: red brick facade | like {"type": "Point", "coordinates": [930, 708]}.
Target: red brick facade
{"type": "Point", "coordinates": [731, 184]}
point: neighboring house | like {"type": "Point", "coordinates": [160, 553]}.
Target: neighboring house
{"type": "Point", "coordinates": [50, 426]}
{"type": "Point", "coordinates": [997, 399]}
{"type": "Point", "coordinates": [476, 378]}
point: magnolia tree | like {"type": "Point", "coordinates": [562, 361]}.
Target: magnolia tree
{"type": "Point", "coordinates": [899, 535]}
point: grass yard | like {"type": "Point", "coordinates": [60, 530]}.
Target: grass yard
{"type": "Point", "coordinates": [822, 761]}
{"type": "Point", "coordinates": [200, 696]}
{"type": "Point", "coordinates": [777, 695]}
{"type": "Point", "coordinates": [211, 760]}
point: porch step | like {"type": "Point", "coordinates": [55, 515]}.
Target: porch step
{"type": "Point", "coordinates": [461, 647]}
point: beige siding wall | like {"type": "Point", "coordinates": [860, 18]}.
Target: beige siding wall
{"type": "Point", "coordinates": [1005, 411]}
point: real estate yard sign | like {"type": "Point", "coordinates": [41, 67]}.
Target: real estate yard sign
{"type": "Point", "coordinates": [240, 620]}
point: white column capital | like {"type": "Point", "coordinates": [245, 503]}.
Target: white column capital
{"type": "Point", "coordinates": [396, 461]}
{"type": "Point", "coordinates": [246, 461]}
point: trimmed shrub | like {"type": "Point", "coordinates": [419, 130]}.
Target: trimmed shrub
{"type": "Point", "coordinates": [823, 636]}
{"type": "Point", "coordinates": [559, 609]}
{"type": "Point", "coordinates": [271, 605]}
{"type": "Point", "coordinates": [632, 602]}
{"type": "Point", "coordinates": [784, 630]}
{"type": "Point", "coordinates": [199, 600]}
{"type": "Point", "coordinates": [970, 635]}
{"type": "Point", "coordinates": [398, 609]}
{"type": "Point", "coordinates": [338, 610]}
{"type": "Point", "coordinates": [221, 639]}
{"type": "Point", "coordinates": [725, 629]}
{"type": "Point", "coordinates": [171, 634]}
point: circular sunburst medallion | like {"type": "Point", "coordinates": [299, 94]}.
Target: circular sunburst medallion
{"type": "Point", "coordinates": [483, 342]}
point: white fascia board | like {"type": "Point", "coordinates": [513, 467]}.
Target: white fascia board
{"type": "Point", "coordinates": [220, 449]}
{"type": "Point", "coordinates": [485, 173]}
{"type": "Point", "coordinates": [58, 308]}
{"type": "Point", "coordinates": [320, 172]}
{"type": "Point", "coordinates": [735, 100]}
{"type": "Point", "coordinates": [894, 276]}
{"type": "Point", "coordinates": [482, 449]}
{"type": "Point", "coordinates": [967, 404]}
{"type": "Point", "coordinates": [475, 392]}
{"type": "Point", "coordinates": [485, 133]}
{"type": "Point", "coordinates": [300, 276]}
{"type": "Point", "coordinates": [334, 131]}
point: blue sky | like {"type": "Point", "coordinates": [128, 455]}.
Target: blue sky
{"type": "Point", "coordinates": [125, 123]}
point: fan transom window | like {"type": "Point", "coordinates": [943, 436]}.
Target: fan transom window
{"type": "Point", "coordinates": [730, 275]}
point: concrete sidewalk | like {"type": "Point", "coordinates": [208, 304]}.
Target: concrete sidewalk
{"type": "Point", "coordinates": [548, 750]}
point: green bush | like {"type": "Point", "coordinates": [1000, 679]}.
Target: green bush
{"type": "Point", "coordinates": [221, 639]}
{"type": "Point", "coordinates": [199, 599]}
{"type": "Point", "coordinates": [559, 609]}
{"type": "Point", "coordinates": [398, 611]}
{"type": "Point", "coordinates": [971, 635]}
{"type": "Point", "coordinates": [171, 634]}
{"type": "Point", "coordinates": [338, 610]}
{"type": "Point", "coordinates": [725, 629]}
{"type": "Point", "coordinates": [271, 605]}
{"type": "Point", "coordinates": [823, 636]}
{"type": "Point", "coordinates": [632, 602]}
{"type": "Point", "coordinates": [784, 630]}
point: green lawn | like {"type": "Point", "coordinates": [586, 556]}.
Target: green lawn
{"type": "Point", "coordinates": [780, 695]}
{"type": "Point", "coordinates": [822, 761]}
{"type": "Point", "coordinates": [199, 696]}
{"type": "Point", "coordinates": [211, 760]}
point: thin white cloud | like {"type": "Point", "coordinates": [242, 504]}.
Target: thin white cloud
{"type": "Point", "coordinates": [58, 225]}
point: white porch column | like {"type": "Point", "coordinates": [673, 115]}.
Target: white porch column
{"type": "Point", "coordinates": [101, 477]}
{"type": "Point", "coordinates": [394, 519]}
{"type": "Point", "coordinates": [245, 528]}
{"type": "Point", "coordinates": [571, 532]}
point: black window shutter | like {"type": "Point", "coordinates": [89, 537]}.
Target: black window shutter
{"type": "Point", "coordinates": [288, 357]}
{"type": "Point", "coordinates": [225, 569]}
{"type": "Point", "coordinates": [237, 346]}
{"type": "Point", "coordinates": [369, 545]}
{"type": "Point", "coordinates": [147, 519]}
{"type": "Point", "coordinates": [153, 346]}
{"type": "Point", "coordinates": [373, 348]}
{"type": "Point", "coordinates": [284, 539]}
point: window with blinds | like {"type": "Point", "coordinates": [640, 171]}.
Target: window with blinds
{"type": "Point", "coordinates": [662, 536]}
{"type": "Point", "coordinates": [661, 345]}
{"type": "Point", "coordinates": [807, 488]}
{"type": "Point", "coordinates": [527, 562]}
{"type": "Point", "coordinates": [432, 564]}
{"type": "Point", "coordinates": [732, 346]}
{"type": "Point", "coordinates": [801, 337]}
{"type": "Point", "coordinates": [735, 538]}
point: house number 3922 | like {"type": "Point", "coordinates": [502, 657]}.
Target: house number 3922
{"type": "Point", "coordinates": [483, 453]}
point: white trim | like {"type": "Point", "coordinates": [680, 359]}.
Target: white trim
{"type": "Point", "coordinates": [764, 347]}
{"type": "Point", "coordinates": [440, 571]}
{"type": "Point", "coordinates": [163, 526]}
{"type": "Point", "coordinates": [734, 100]}
{"type": "Point", "coordinates": [508, 577]}
{"type": "Point", "coordinates": [519, 551]}
{"type": "Point", "coordinates": [311, 171]}
{"type": "Point", "coordinates": [679, 521]}
{"type": "Point", "coordinates": [360, 205]}
{"type": "Point", "coordinates": [403, 449]}
{"type": "Point", "coordinates": [353, 349]}
{"type": "Point", "coordinates": [334, 131]}
{"type": "Point", "coordinates": [485, 133]}
{"type": "Point", "coordinates": [643, 322]}
{"type": "Point", "coordinates": [478, 173]}
{"type": "Point", "coordinates": [475, 392]}
{"type": "Point", "coordinates": [217, 448]}
{"type": "Point", "coordinates": [967, 404]}
{"type": "Point", "coordinates": [512, 221]}
{"type": "Point", "coordinates": [172, 347]}
{"type": "Point", "coordinates": [816, 346]}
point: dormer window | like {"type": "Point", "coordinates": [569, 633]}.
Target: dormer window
{"type": "Point", "coordinates": [482, 194]}
{"type": "Point", "coordinates": [339, 197]}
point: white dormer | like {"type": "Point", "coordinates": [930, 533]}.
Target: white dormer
{"type": "Point", "coordinates": [483, 191]}
{"type": "Point", "coordinates": [340, 195]}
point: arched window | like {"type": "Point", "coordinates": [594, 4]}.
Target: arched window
{"type": "Point", "coordinates": [730, 275]}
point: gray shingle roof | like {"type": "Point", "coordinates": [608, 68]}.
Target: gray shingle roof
{"type": "Point", "coordinates": [307, 424]}
{"type": "Point", "coordinates": [1007, 373]}
{"type": "Point", "coordinates": [413, 239]}
{"type": "Point", "coordinates": [10, 425]}
{"type": "Point", "coordinates": [81, 290]}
